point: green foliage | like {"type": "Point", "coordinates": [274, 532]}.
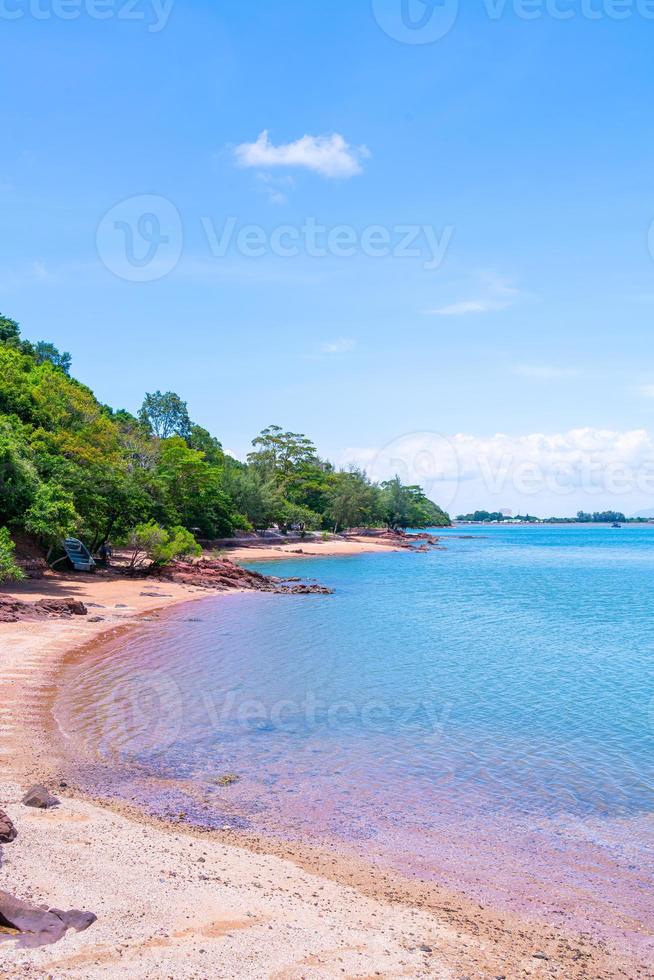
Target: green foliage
{"type": "Point", "coordinates": [70, 464]}
{"type": "Point", "coordinates": [9, 570]}
{"type": "Point", "coordinates": [51, 515]}
{"type": "Point", "coordinates": [48, 352]}
{"type": "Point", "coordinates": [255, 496]}
{"type": "Point", "coordinates": [18, 479]}
{"type": "Point", "coordinates": [165, 415]}
{"type": "Point", "coordinates": [601, 517]}
{"type": "Point", "coordinates": [156, 545]}
{"type": "Point", "coordinates": [481, 517]}
{"type": "Point", "coordinates": [408, 507]}
{"type": "Point", "coordinates": [9, 330]}
{"type": "Point", "coordinates": [278, 454]}
{"type": "Point", "coordinates": [297, 518]}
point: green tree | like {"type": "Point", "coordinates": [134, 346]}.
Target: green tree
{"type": "Point", "coordinates": [165, 415]}
{"type": "Point", "coordinates": [156, 545]}
{"type": "Point", "coordinates": [202, 441]}
{"type": "Point", "coordinates": [9, 330]}
{"type": "Point", "coordinates": [9, 570]}
{"type": "Point", "coordinates": [254, 496]}
{"type": "Point", "coordinates": [407, 506]}
{"type": "Point", "coordinates": [278, 453]}
{"type": "Point", "coordinates": [48, 352]}
{"type": "Point", "coordinates": [292, 516]}
{"type": "Point", "coordinates": [18, 479]}
{"type": "Point", "coordinates": [51, 516]}
{"type": "Point", "coordinates": [353, 500]}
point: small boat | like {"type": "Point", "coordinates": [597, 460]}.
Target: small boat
{"type": "Point", "coordinates": [615, 524]}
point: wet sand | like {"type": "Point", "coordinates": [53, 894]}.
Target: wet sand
{"type": "Point", "coordinates": [174, 901]}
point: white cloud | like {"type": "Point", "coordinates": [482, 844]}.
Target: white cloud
{"type": "Point", "coordinates": [463, 307]}
{"type": "Point", "coordinates": [275, 187]}
{"type": "Point", "coordinates": [330, 156]}
{"type": "Point", "coordinates": [546, 473]}
{"type": "Point", "coordinates": [498, 294]}
{"type": "Point", "coordinates": [544, 372]}
{"type": "Point", "coordinates": [647, 391]}
{"type": "Point", "coordinates": [340, 346]}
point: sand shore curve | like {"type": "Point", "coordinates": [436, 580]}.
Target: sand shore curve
{"type": "Point", "coordinates": [174, 902]}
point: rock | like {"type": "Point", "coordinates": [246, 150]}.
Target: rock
{"type": "Point", "coordinates": [14, 611]}
{"type": "Point", "coordinates": [39, 926]}
{"type": "Point", "coordinates": [540, 956]}
{"type": "Point", "coordinates": [222, 575]}
{"type": "Point", "coordinates": [425, 949]}
{"type": "Point", "coordinates": [228, 779]}
{"type": "Point", "coordinates": [7, 830]}
{"type": "Point", "coordinates": [39, 797]}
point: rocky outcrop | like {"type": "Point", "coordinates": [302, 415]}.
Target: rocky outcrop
{"type": "Point", "coordinates": [398, 539]}
{"type": "Point", "coordinates": [13, 610]}
{"type": "Point", "coordinates": [33, 926]}
{"type": "Point", "coordinates": [222, 575]}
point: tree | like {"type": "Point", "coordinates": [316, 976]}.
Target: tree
{"type": "Point", "coordinates": [9, 330]}
{"type": "Point", "coordinates": [407, 506]}
{"type": "Point", "coordinates": [192, 490]}
{"type": "Point", "coordinates": [18, 479]}
{"type": "Point", "coordinates": [294, 516]}
{"type": "Point", "coordinates": [278, 453]}
{"type": "Point", "coordinates": [202, 441]}
{"type": "Point", "coordinates": [352, 501]}
{"type": "Point", "coordinates": [254, 496]}
{"type": "Point", "coordinates": [165, 415]}
{"type": "Point", "coordinates": [52, 515]}
{"type": "Point", "coordinates": [9, 570]}
{"type": "Point", "coordinates": [48, 352]}
{"type": "Point", "coordinates": [150, 542]}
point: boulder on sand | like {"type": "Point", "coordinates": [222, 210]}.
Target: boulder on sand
{"type": "Point", "coordinates": [7, 830]}
{"type": "Point", "coordinates": [38, 926]}
{"type": "Point", "coordinates": [39, 797]}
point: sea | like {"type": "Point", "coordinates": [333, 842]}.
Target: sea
{"type": "Point", "coordinates": [480, 716]}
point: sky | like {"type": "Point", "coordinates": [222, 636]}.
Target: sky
{"type": "Point", "coordinates": [416, 230]}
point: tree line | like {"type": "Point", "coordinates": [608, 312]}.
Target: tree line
{"type": "Point", "coordinates": [71, 465]}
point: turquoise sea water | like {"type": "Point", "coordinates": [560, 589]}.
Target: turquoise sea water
{"type": "Point", "coordinates": [459, 713]}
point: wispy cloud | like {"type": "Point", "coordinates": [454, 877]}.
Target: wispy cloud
{"type": "Point", "coordinates": [329, 156]}
{"type": "Point", "coordinates": [276, 187]}
{"type": "Point", "coordinates": [340, 346]}
{"type": "Point", "coordinates": [496, 294]}
{"type": "Point", "coordinates": [646, 391]}
{"type": "Point", "coordinates": [544, 372]}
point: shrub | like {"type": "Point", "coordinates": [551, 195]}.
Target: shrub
{"type": "Point", "coordinates": [9, 570]}
{"type": "Point", "coordinates": [150, 542]}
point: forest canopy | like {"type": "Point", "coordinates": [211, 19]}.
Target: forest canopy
{"type": "Point", "coordinates": [71, 465]}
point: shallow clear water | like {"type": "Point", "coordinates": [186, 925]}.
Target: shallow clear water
{"type": "Point", "coordinates": [453, 710]}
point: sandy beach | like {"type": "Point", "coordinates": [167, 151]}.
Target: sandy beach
{"type": "Point", "coordinates": [311, 548]}
{"type": "Point", "coordinates": [176, 902]}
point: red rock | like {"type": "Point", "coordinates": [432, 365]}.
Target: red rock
{"type": "Point", "coordinates": [39, 926]}
{"type": "Point", "coordinates": [39, 797]}
{"type": "Point", "coordinates": [7, 830]}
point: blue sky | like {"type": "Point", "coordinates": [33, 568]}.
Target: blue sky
{"type": "Point", "coordinates": [525, 147]}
